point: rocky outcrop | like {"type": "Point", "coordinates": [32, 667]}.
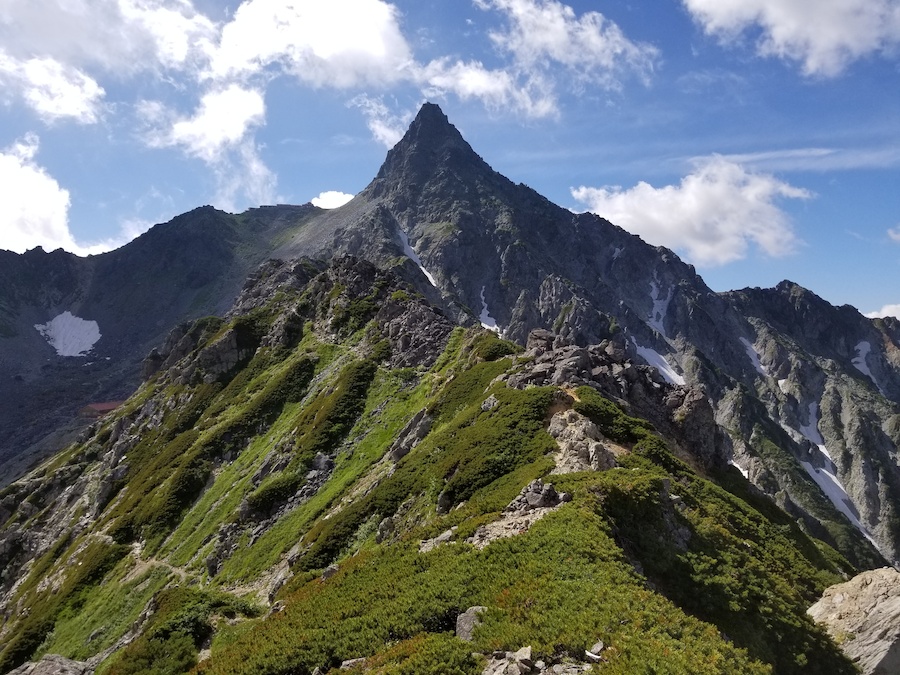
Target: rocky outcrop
{"type": "Point", "coordinates": [53, 664]}
{"type": "Point", "coordinates": [535, 501]}
{"type": "Point", "coordinates": [581, 445]}
{"type": "Point", "coordinates": [414, 431]}
{"type": "Point", "coordinates": [679, 412]}
{"type": "Point", "coordinates": [863, 617]}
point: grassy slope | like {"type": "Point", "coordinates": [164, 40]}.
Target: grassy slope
{"type": "Point", "coordinates": [566, 583]}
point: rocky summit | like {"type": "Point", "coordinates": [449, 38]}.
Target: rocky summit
{"type": "Point", "coordinates": [449, 427]}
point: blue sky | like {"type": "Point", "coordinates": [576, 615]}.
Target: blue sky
{"type": "Point", "coordinates": [759, 139]}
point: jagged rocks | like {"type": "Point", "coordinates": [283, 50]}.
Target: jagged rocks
{"type": "Point", "coordinates": [537, 495]}
{"type": "Point", "coordinates": [535, 501]}
{"type": "Point", "coordinates": [414, 431]}
{"type": "Point", "coordinates": [581, 446]}
{"type": "Point", "coordinates": [52, 664]}
{"type": "Point", "coordinates": [430, 544]}
{"type": "Point", "coordinates": [520, 662]}
{"type": "Point", "coordinates": [863, 617]}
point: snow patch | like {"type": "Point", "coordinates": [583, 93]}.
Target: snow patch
{"type": "Point", "coordinates": [486, 319]}
{"type": "Point", "coordinates": [862, 353]}
{"type": "Point", "coordinates": [754, 357]}
{"type": "Point", "coordinates": [834, 490]}
{"type": "Point", "coordinates": [826, 478]}
{"type": "Point", "coordinates": [783, 385]}
{"type": "Point", "coordinates": [70, 335]}
{"type": "Point", "coordinates": [655, 359]}
{"type": "Point", "coordinates": [412, 255]}
{"type": "Point", "coordinates": [660, 307]}
{"type": "Point", "coordinates": [811, 430]}
{"type": "Point", "coordinates": [744, 472]}
{"type": "Point", "coordinates": [618, 252]}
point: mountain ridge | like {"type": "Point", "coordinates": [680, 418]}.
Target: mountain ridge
{"type": "Point", "coordinates": [342, 466]}
{"type": "Point", "coordinates": [477, 245]}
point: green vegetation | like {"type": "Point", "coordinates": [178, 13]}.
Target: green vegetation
{"type": "Point", "coordinates": [559, 587]}
{"type": "Point", "coordinates": [610, 418]}
{"type": "Point", "coordinates": [83, 571]}
{"type": "Point", "coordinates": [489, 347]}
{"type": "Point", "coordinates": [179, 625]}
{"type": "Point", "coordinates": [730, 575]}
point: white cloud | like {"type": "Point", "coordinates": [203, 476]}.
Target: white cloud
{"type": "Point", "coordinates": [713, 215]}
{"type": "Point", "coordinates": [331, 199]}
{"type": "Point", "coordinates": [887, 310]}
{"type": "Point", "coordinates": [219, 133]}
{"type": "Point", "coordinates": [894, 233]}
{"type": "Point", "coordinates": [387, 128]}
{"type": "Point", "coordinates": [222, 120]}
{"type": "Point", "coordinates": [592, 47]}
{"type": "Point", "coordinates": [53, 90]}
{"type": "Point", "coordinates": [34, 209]}
{"type": "Point", "coordinates": [825, 36]}
{"type": "Point", "coordinates": [243, 179]}
{"type": "Point", "coordinates": [118, 36]}
{"type": "Point", "coordinates": [496, 89]}
{"type": "Point", "coordinates": [339, 43]}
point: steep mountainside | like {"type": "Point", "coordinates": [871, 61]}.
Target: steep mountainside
{"type": "Point", "coordinates": [106, 312]}
{"type": "Point", "coordinates": [335, 475]}
{"type": "Point", "coordinates": [806, 393]}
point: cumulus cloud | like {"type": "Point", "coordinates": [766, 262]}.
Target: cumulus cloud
{"type": "Point", "coordinates": [825, 37]}
{"type": "Point", "coordinates": [331, 199]}
{"type": "Point", "coordinates": [339, 43]}
{"type": "Point", "coordinates": [496, 89]}
{"type": "Point", "coordinates": [117, 36]}
{"type": "Point", "coordinates": [53, 90]}
{"type": "Point", "coordinates": [220, 132]}
{"type": "Point", "coordinates": [34, 208]}
{"type": "Point", "coordinates": [544, 32]}
{"type": "Point", "coordinates": [713, 215]}
{"type": "Point", "coordinates": [222, 120]}
{"type": "Point", "coordinates": [887, 310]}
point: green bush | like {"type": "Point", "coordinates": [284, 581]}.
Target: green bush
{"type": "Point", "coordinates": [489, 347]}
{"type": "Point", "coordinates": [179, 624]}
{"type": "Point", "coordinates": [274, 491]}
{"type": "Point", "coordinates": [609, 417]}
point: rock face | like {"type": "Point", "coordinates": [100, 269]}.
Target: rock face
{"type": "Point", "coordinates": [581, 446]}
{"type": "Point", "coordinates": [863, 616]}
{"type": "Point", "coordinates": [53, 664]}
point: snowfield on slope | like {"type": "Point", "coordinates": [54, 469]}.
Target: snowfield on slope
{"type": "Point", "coordinates": [70, 335]}
{"type": "Point", "coordinates": [485, 318]}
{"type": "Point", "coordinates": [655, 359]}
{"type": "Point", "coordinates": [754, 357]}
{"type": "Point", "coordinates": [410, 253]}
{"type": "Point", "coordinates": [859, 362]}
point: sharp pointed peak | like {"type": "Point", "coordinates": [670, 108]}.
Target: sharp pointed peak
{"type": "Point", "coordinates": [431, 127]}
{"type": "Point", "coordinates": [430, 142]}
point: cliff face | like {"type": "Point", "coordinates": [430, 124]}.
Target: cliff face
{"type": "Point", "coordinates": [863, 616]}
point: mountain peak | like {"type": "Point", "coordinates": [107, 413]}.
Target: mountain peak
{"type": "Point", "coordinates": [430, 143]}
